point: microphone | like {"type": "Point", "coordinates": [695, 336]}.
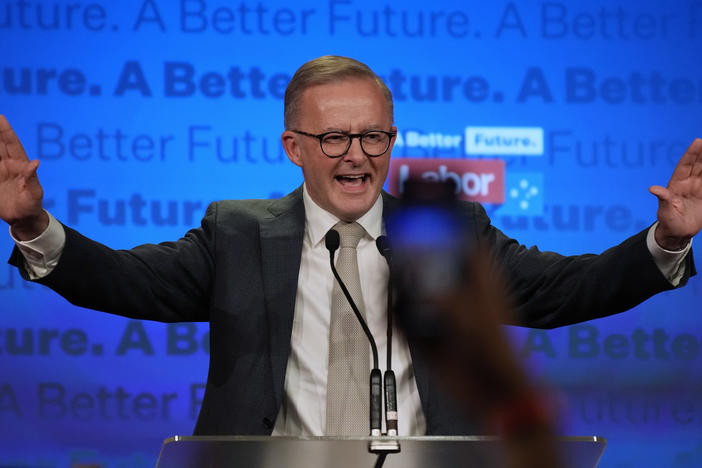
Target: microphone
{"type": "Point", "coordinates": [332, 241]}
{"type": "Point", "coordinates": [389, 378]}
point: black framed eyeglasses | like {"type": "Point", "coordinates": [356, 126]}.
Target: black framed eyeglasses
{"type": "Point", "coordinates": [374, 143]}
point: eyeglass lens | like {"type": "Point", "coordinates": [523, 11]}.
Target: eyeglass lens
{"type": "Point", "coordinates": [372, 143]}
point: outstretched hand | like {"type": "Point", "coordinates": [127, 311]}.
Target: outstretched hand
{"type": "Point", "coordinates": [20, 191]}
{"type": "Point", "coordinates": [680, 204]}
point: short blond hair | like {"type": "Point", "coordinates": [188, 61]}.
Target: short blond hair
{"type": "Point", "coordinates": [323, 70]}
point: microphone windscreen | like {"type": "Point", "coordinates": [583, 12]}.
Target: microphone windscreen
{"type": "Point", "coordinates": [331, 240]}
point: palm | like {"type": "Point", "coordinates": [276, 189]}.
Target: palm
{"type": "Point", "coordinates": [680, 204]}
{"type": "Point", "coordinates": [20, 190]}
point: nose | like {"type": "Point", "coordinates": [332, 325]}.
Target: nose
{"type": "Point", "coordinates": [355, 153]}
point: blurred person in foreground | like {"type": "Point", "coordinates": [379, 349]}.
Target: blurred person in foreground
{"type": "Point", "coordinates": [475, 363]}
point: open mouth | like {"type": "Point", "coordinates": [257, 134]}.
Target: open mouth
{"type": "Point", "coordinates": [355, 180]}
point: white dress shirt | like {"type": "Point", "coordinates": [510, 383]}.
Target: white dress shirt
{"type": "Point", "coordinates": [303, 410]}
{"type": "Point", "coordinates": [305, 398]}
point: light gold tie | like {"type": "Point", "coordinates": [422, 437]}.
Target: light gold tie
{"type": "Point", "coordinates": [349, 356]}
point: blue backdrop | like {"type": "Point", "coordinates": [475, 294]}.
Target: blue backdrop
{"type": "Point", "coordinates": [142, 112]}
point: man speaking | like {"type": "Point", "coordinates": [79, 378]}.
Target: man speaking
{"type": "Point", "coordinates": [258, 270]}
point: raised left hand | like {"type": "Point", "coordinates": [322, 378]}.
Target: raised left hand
{"type": "Point", "coordinates": [680, 204]}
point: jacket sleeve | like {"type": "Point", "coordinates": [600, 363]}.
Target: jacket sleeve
{"type": "Point", "coordinates": [168, 282]}
{"type": "Point", "coordinates": [551, 290]}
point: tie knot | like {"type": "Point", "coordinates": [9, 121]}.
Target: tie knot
{"type": "Point", "coordinates": [349, 233]}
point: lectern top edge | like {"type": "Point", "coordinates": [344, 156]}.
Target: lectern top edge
{"type": "Point", "coordinates": [473, 438]}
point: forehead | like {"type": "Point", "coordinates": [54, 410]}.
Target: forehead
{"type": "Point", "coordinates": [349, 104]}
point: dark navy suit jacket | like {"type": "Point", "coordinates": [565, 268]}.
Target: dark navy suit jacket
{"type": "Point", "coordinates": [239, 270]}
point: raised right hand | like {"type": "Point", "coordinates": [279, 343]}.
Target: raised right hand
{"type": "Point", "coordinates": [20, 191]}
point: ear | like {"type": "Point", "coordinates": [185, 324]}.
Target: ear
{"type": "Point", "coordinates": [292, 147]}
{"type": "Point", "coordinates": [394, 139]}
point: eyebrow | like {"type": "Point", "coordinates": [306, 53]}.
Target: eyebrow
{"type": "Point", "coordinates": [365, 129]}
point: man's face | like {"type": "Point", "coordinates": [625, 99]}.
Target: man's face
{"type": "Point", "coordinates": [349, 185]}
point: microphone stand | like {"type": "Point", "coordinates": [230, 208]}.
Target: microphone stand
{"type": "Point", "coordinates": [380, 446]}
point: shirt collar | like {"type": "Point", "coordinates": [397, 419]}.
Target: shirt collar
{"type": "Point", "coordinates": [319, 221]}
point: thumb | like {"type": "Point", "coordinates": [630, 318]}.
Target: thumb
{"type": "Point", "coordinates": [31, 169]}
{"type": "Point", "coordinates": [662, 193]}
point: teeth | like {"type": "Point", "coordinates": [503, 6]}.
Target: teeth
{"type": "Point", "coordinates": [352, 179]}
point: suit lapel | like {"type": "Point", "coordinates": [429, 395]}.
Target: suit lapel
{"type": "Point", "coordinates": [281, 248]}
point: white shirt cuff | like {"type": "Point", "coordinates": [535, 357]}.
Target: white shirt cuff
{"type": "Point", "coordinates": [670, 263]}
{"type": "Point", "coordinates": [42, 253]}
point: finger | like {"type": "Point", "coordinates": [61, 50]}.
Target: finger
{"type": "Point", "coordinates": [31, 169]}
{"type": "Point", "coordinates": [3, 147]}
{"type": "Point", "coordinates": [688, 160]}
{"type": "Point", "coordinates": [696, 148]}
{"type": "Point", "coordinates": [662, 193]}
{"type": "Point", "coordinates": [13, 148]}
{"type": "Point", "coordinates": [6, 131]}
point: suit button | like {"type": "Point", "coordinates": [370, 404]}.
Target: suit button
{"type": "Point", "coordinates": [268, 423]}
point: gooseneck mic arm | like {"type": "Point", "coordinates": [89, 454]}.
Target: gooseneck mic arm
{"type": "Point", "coordinates": [382, 243]}
{"type": "Point", "coordinates": [332, 241]}
{"type": "Point", "coordinates": [389, 378]}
